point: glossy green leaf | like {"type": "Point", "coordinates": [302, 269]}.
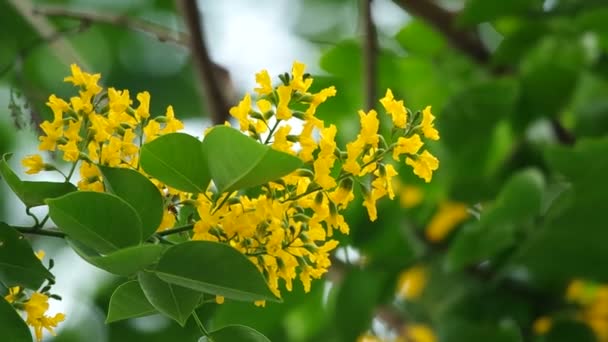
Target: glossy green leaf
{"type": "Point", "coordinates": [236, 161]}
{"type": "Point", "coordinates": [178, 160]}
{"type": "Point", "coordinates": [137, 190]}
{"type": "Point", "coordinates": [100, 221]}
{"type": "Point", "coordinates": [12, 326]}
{"type": "Point", "coordinates": [125, 261]}
{"type": "Point", "coordinates": [172, 300]}
{"type": "Point", "coordinates": [129, 301]}
{"type": "Point", "coordinates": [32, 194]}
{"type": "Point", "coordinates": [232, 333]}
{"type": "Point", "coordinates": [213, 268]}
{"type": "Point", "coordinates": [517, 204]}
{"type": "Point", "coordinates": [18, 264]}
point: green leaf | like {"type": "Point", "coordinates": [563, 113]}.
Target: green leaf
{"type": "Point", "coordinates": [517, 204]}
{"type": "Point", "coordinates": [178, 160]}
{"type": "Point", "coordinates": [101, 221]}
{"type": "Point", "coordinates": [220, 270]}
{"type": "Point", "coordinates": [457, 329]}
{"type": "Point", "coordinates": [123, 262]}
{"type": "Point", "coordinates": [232, 333]}
{"type": "Point", "coordinates": [32, 194]}
{"type": "Point", "coordinates": [18, 264]}
{"type": "Point", "coordinates": [137, 190]}
{"type": "Point", "coordinates": [419, 38]}
{"type": "Point", "coordinates": [478, 11]}
{"type": "Point", "coordinates": [129, 301]}
{"type": "Point", "coordinates": [12, 325]}
{"type": "Point", "coordinates": [174, 301]}
{"type": "Point", "coordinates": [236, 161]}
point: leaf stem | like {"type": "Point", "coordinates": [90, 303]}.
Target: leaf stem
{"type": "Point", "coordinates": [43, 232]}
{"type": "Point", "coordinates": [176, 230]}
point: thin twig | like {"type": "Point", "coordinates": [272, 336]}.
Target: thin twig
{"type": "Point", "coordinates": [43, 232]}
{"type": "Point", "coordinates": [161, 33]}
{"type": "Point", "coordinates": [176, 230]}
{"type": "Point", "coordinates": [444, 21]}
{"type": "Point", "coordinates": [370, 55]}
{"type": "Point", "coordinates": [210, 75]}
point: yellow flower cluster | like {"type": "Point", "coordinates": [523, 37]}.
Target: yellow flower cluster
{"type": "Point", "coordinates": [593, 301]}
{"type": "Point", "coordinates": [35, 308]}
{"type": "Point", "coordinates": [286, 228]}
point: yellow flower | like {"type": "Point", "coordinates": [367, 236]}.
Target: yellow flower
{"type": "Point", "coordinates": [241, 112]}
{"type": "Point", "coordinates": [84, 79]}
{"type": "Point", "coordinates": [118, 100]}
{"type": "Point", "coordinates": [369, 202]}
{"type": "Point", "coordinates": [424, 165]}
{"type": "Point", "coordinates": [36, 308]}
{"type": "Point", "coordinates": [54, 132]}
{"type": "Point", "coordinates": [263, 80]}
{"type": "Point", "coordinates": [306, 140]}
{"type": "Point", "coordinates": [542, 325]}
{"type": "Point", "coordinates": [73, 131]}
{"type": "Point", "coordinates": [13, 293]}
{"type": "Point", "coordinates": [58, 106]}
{"type": "Point", "coordinates": [298, 82]}
{"type": "Point", "coordinates": [410, 196]}
{"type": "Point", "coordinates": [34, 164]}
{"type": "Point", "coordinates": [81, 105]}
{"type": "Point", "coordinates": [449, 215]}
{"type": "Point", "coordinates": [384, 180]}
{"type": "Point", "coordinates": [100, 127]}
{"type": "Point", "coordinates": [420, 333]}
{"type": "Point", "coordinates": [172, 125]}
{"type": "Point", "coordinates": [409, 145]}
{"type": "Point", "coordinates": [428, 128]}
{"type": "Point", "coordinates": [152, 130]}
{"type": "Point", "coordinates": [411, 282]}
{"type": "Point", "coordinates": [283, 111]}
{"type": "Point", "coordinates": [219, 299]}
{"type": "Point", "coordinates": [325, 160]}
{"type": "Point", "coordinates": [70, 151]}
{"type": "Point", "coordinates": [353, 151]}
{"type": "Point", "coordinates": [280, 142]}
{"type": "Point", "coordinates": [110, 154]}
{"type": "Point", "coordinates": [369, 127]}
{"type": "Point", "coordinates": [395, 108]}
{"type": "Point", "coordinates": [167, 222]}
{"type": "Point", "coordinates": [319, 98]}
{"type": "Point", "coordinates": [143, 111]}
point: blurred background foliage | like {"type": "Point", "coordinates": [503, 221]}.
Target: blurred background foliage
{"type": "Point", "coordinates": [507, 243]}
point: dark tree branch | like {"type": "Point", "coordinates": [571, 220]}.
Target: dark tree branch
{"type": "Point", "coordinates": [210, 76]}
{"type": "Point", "coordinates": [370, 55]}
{"type": "Point", "coordinates": [444, 21]}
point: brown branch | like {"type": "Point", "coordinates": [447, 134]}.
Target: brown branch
{"type": "Point", "coordinates": [212, 78]}
{"type": "Point", "coordinates": [370, 55]}
{"type": "Point", "coordinates": [444, 21]}
{"type": "Point", "coordinates": [162, 33]}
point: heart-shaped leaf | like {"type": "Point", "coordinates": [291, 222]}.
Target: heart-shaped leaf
{"type": "Point", "coordinates": [101, 221]}
{"type": "Point", "coordinates": [173, 300]}
{"type": "Point", "coordinates": [178, 160]}
{"type": "Point", "coordinates": [32, 194]}
{"type": "Point", "coordinates": [237, 161]}
{"type": "Point", "coordinates": [137, 190]}
{"type": "Point", "coordinates": [213, 268]}
{"type": "Point", "coordinates": [129, 301]}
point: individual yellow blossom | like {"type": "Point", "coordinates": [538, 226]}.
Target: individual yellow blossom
{"type": "Point", "coordinates": [542, 325]}
{"type": "Point", "coordinates": [119, 100]}
{"type": "Point", "coordinates": [167, 222]}
{"type": "Point", "coordinates": [395, 108]}
{"type": "Point", "coordinates": [353, 151]}
{"type": "Point", "coordinates": [369, 127]}
{"type": "Point", "coordinates": [343, 194]}
{"type": "Point", "coordinates": [53, 132]}
{"type": "Point", "coordinates": [298, 82]}
{"type": "Point", "coordinates": [36, 308]}
{"type": "Point", "coordinates": [262, 78]}
{"type": "Point", "coordinates": [86, 80]}
{"type": "Point", "coordinates": [100, 127]}
{"type": "Point", "coordinates": [307, 143]}
{"type": "Point", "coordinates": [409, 145]}
{"type": "Point", "coordinates": [172, 125]}
{"type": "Point", "coordinates": [428, 128]}
{"type": "Point", "coordinates": [93, 151]}
{"type": "Point", "coordinates": [70, 151]}
{"type": "Point", "coordinates": [128, 147]}
{"type": "Point", "coordinates": [73, 131]}
{"type": "Point", "coordinates": [58, 106]}
{"type": "Point", "coordinates": [449, 215]}
{"type": "Point", "coordinates": [325, 160]}
{"type": "Point", "coordinates": [90, 177]}
{"type": "Point", "coordinates": [152, 130]}
{"type": "Point", "coordinates": [369, 202]}
{"type": "Point", "coordinates": [264, 106]}
{"type": "Point", "coordinates": [110, 154]}
{"type": "Point", "coordinates": [40, 254]}
{"type": "Point", "coordinates": [33, 163]}
{"type": "Point", "coordinates": [219, 299]}
{"type": "Point", "coordinates": [283, 111]}
{"type": "Point", "coordinates": [420, 333]}
{"type": "Point", "coordinates": [280, 142]}
{"type": "Point", "coordinates": [424, 165]}
{"type": "Point", "coordinates": [241, 112]}
{"type": "Point", "coordinates": [411, 282]}
{"type": "Point", "coordinates": [319, 98]}
{"type": "Point", "coordinates": [80, 105]}
{"type": "Point", "coordinates": [384, 180]}
{"type": "Point", "coordinates": [143, 111]}
{"type": "Point", "coordinates": [13, 294]}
